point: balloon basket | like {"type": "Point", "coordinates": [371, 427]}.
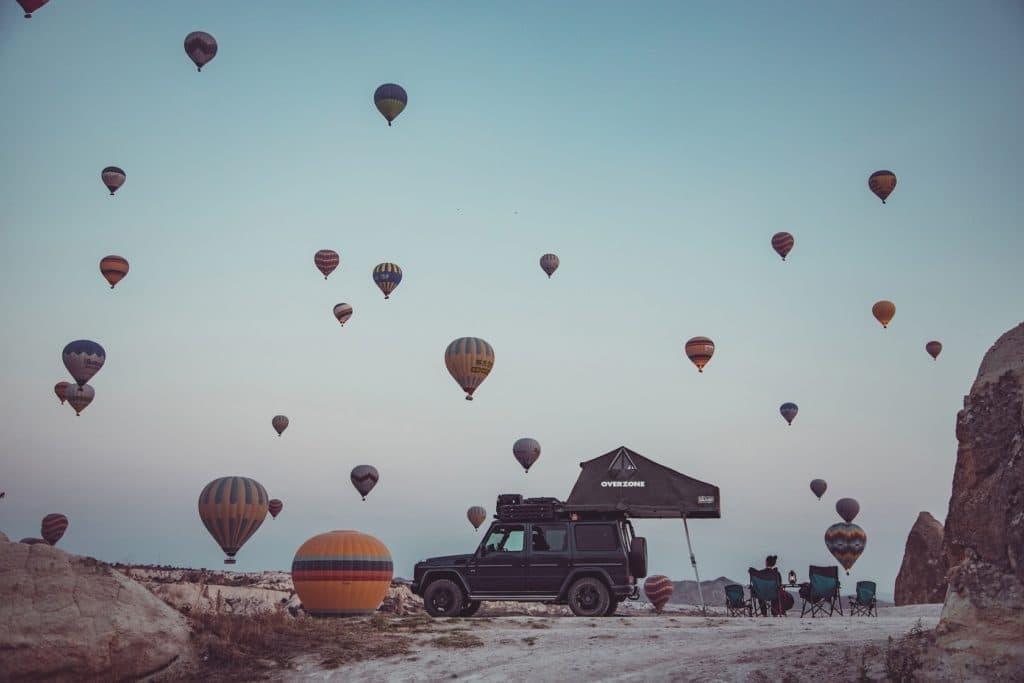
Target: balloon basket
{"type": "Point", "coordinates": [229, 560]}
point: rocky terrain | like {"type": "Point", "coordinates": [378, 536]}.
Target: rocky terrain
{"type": "Point", "coordinates": [922, 576]}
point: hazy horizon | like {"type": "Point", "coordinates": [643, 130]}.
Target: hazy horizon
{"type": "Point", "coordinates": [655, 149]}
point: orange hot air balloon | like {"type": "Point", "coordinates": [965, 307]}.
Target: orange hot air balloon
{"type": "Point", "coordinates": [341, 573]}
{"type": "Point", "coordinates": [469, 360]}
{"type": "Point", "coordinates": [274, 507]}
{"type": "Point", "coordinates": [232, 509]}
{"type": "Point", "coordinates": [699, 350]}
{"type": "Point", "coordinates": [882, 183]}
{"type": "Point", "coordinates": [113, 268]}
{"type": "Point", "coordinates": [658, 590]}
{"type": "Point", "coordinates": [60, 388]}
{"type": "Point", "coordinates": [884, 312]}
{"type": "Point", "coordinates": [53, 527]}
{"type": "Point", "coordinates": [934, 348]}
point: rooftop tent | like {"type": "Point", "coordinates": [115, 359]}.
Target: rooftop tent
{"type": "Point", "coordinates": [625, 481]}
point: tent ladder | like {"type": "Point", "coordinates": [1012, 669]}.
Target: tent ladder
{"type": "Point", "coordinates": [693, 561]}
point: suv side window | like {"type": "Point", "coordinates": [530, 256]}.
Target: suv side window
{"type": "Point", "coordinates": [549, 538]}
{"type": "Point", "coordinates": [596, 537]}
{"type": "Point", "coordinates": [505, 539]}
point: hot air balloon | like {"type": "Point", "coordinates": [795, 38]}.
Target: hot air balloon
{"type": "Point", "coordinates": [933, 348]}
{"type": "Point", "coordinates": [789, 411]}
{"type": "Point", "coordinates": [343, 312]}
{"type": "Point", "coordinates": [326, 260]}
{"type": "Point", "coordinates": [113, 268]}
{"type": "Point", "coordinates": [341, 573]}
{"type": "Point", "coordinates": [53, 527]}
{"type": "Point", "coordinates": [526, 451]}
{"type": "Point", "coordinates": [59, 388]}
{"type": "Point", "coordinates": [699, 350]}
{"type": "Point", "coordinates": [882, 183]}
{"type": "Point", "coordinates": [201, 47]}
{"type": "Point", "coordinates": [847, 509]}
{"type": "Point", "coordinates": [782, 243]}
{"type": "Point", "coordinates": [818, 486]}
{"type": "Point", "coordinates": [387, 276]}
{"type": "Point", "coordinates": [846, 543]}
{"type": "Point", "coordinates": [280, 423]}
{"type": "Point", "coordinates": [549, 263]}
{"type": "Point", "coordinates": [364, 478]}
{"type": "Point", "coordinates": [83, 359]}
{"type": "Point", "coordinates": [232, 509]}
{"type": "Point", "coordinates": [31, 6]}
{"type": "Point", "coordinates": [658, 590]}
{"type": "Point", "coordinates": [390, 100]}
{"type": "Point", "coordinates": [274, 507]}
{"type": "Point", "coordinates": [79, 397]}
{"type": "Point", "coordinates": [476, 516]}
{"type": "Point", "coordinates": [469, 360]}
{"type": "Point", "coordinates": [884, 312]}
{"type": "Point", "coordinates": [113, 177]}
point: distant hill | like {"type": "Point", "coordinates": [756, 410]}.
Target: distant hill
{"type": "Point", "coordinates": [685, 592]}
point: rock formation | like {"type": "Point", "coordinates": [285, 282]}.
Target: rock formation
{"type": "Point", "coordinates": [64, 617]}
{"type": "Point", "coordinates": [922, 577]}
{"type": "Point", "coordinates": [982, 625]}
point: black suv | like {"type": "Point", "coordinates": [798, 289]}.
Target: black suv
{"type": "Point", "coordinates": [536, 551]}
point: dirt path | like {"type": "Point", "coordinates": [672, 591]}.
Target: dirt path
{"type": "Point", "coordinates": [635, 648]}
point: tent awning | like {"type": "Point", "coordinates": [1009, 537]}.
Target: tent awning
{"type": "Point", "coordinates": [625, 481]}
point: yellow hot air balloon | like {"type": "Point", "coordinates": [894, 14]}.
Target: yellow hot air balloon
{"type": "Point", "coordinates": [341, 573]}
{"type": "Point", "coordinates": [469, 360]}
{"type": "Point", "coordinates": [232, 509]}
{"type": "Point", "coordinates": [884, 312]}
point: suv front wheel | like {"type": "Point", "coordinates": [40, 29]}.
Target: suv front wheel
{"type": "Point", "coordinates": [443, 598]}
{"type": "Point", "coordinates": [588, 597]}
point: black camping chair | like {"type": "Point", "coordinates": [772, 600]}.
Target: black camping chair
{"type": "Point", "coordinates": [821, 592]}
{"type": "Point", "coordinates": [764, 591]}
{"type": "Point", "coordinates": [736, 604]}
{"type": "Point", "coordinates": [863, 603]}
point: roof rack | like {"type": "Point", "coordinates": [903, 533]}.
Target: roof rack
{"type": "Point", "coordinates": [512, 507]}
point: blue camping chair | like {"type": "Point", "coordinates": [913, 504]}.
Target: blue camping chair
{"type": "Point", "coordinates": [736, 604]}
{"type": "Point", "coordinates": [764, 590]}
{"type": "Point", "coordinates": [821, 592]}
{"type": "Point", "coordinates": [863, 603]}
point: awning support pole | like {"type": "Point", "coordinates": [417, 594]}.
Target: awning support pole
{"type": "Point", "coordinates": [693, 561]}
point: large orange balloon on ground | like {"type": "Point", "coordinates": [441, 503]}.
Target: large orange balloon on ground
{"type": "Point", "coordinates": [658, 590]}
{"type": "Point", "coordinates": [884, 312]}
{"type": "Point", "coordinates": [341, 573]}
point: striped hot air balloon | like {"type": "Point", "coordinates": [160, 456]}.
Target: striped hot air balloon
{"type": "Point", "coordinates": [699, 350]}
{"type": "Point", "coordinates": [884, 311]}
{"type": "Point", "coordinates": [658, 590]}
{"type": "Point", "coordinates": [326, 260]}
{"type": "Point", "coordinates": [526, 451]}
{"type": "Point", "coordinates": [83, 359]}
{"type": "Point", "coordinates": [882, 183]}
{"type": "Point", "coordinates": [469, 360]}
{"type": "Point", "coordinates": [341, 573]}
{"type": "Point", "coordinates": [60, 388]}
{"type": "Point", "coordinates": [200, 47]}
{"type": "Point", "coordinates": [476, 516]}
{"type": "Point", "coordinates": [232, 509]}
{"type": "Point", "coordinates": [387, 276]}
{"type": "Point", "coordinates": [79, 397]}
{"type": "Point", "coordinates": [782, 243]}
{"type": "Point", "coordinates": [113, 268]}
{"type": "Point", "coordinates": [53, 527]}
{"type": "Point", "coordinates": [274, 507]}
{"type": "Point", "coordinates": [113, 177]}
{"type": "Point", "coordinates": [549, 263]}
{"type": "Point", "coordinates": [390, 100]}
{"type": "Point", "coordinates": [846, 542]}
{"type": "Point", "coordinates": [279, 423]}
{"type": "Point", "coordinates": [342, 312]}
{"type": "Point", "coordinates": [364, 478]}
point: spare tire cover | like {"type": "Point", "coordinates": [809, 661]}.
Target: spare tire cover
{"type": "Point", "coordinates": [638, 557]}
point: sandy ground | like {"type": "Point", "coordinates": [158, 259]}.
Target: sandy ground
{"type": "Point", "coordinates": [642, 647]}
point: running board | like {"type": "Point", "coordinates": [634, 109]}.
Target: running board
{"type": "Point", "coordinates": [515, 598]}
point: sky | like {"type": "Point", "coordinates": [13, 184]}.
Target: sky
{"type": "Point", "coordinates": [654, 147]}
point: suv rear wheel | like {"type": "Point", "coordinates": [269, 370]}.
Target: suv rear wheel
{"type": "Point", "coordinates": [588, 597]}
{"type": "Point", "coordinates": [443, 598]}
{"type": "Point", "coordinates": [471, 608]}
{"type": "Point", "coordinates": [613, 604]}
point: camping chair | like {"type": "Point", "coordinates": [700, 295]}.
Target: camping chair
{"type": "Point", "coordinates": [736, 604]}
{"type": "Point", "coordinates": [863, 603]}
{"type": "Point", "coordinates": [764, 590]}
{"type": "Point", "coordinates": [822, 593]}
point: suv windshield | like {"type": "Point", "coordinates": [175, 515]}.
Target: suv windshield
{"type": "Point", "coordinates": [507, 539]}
